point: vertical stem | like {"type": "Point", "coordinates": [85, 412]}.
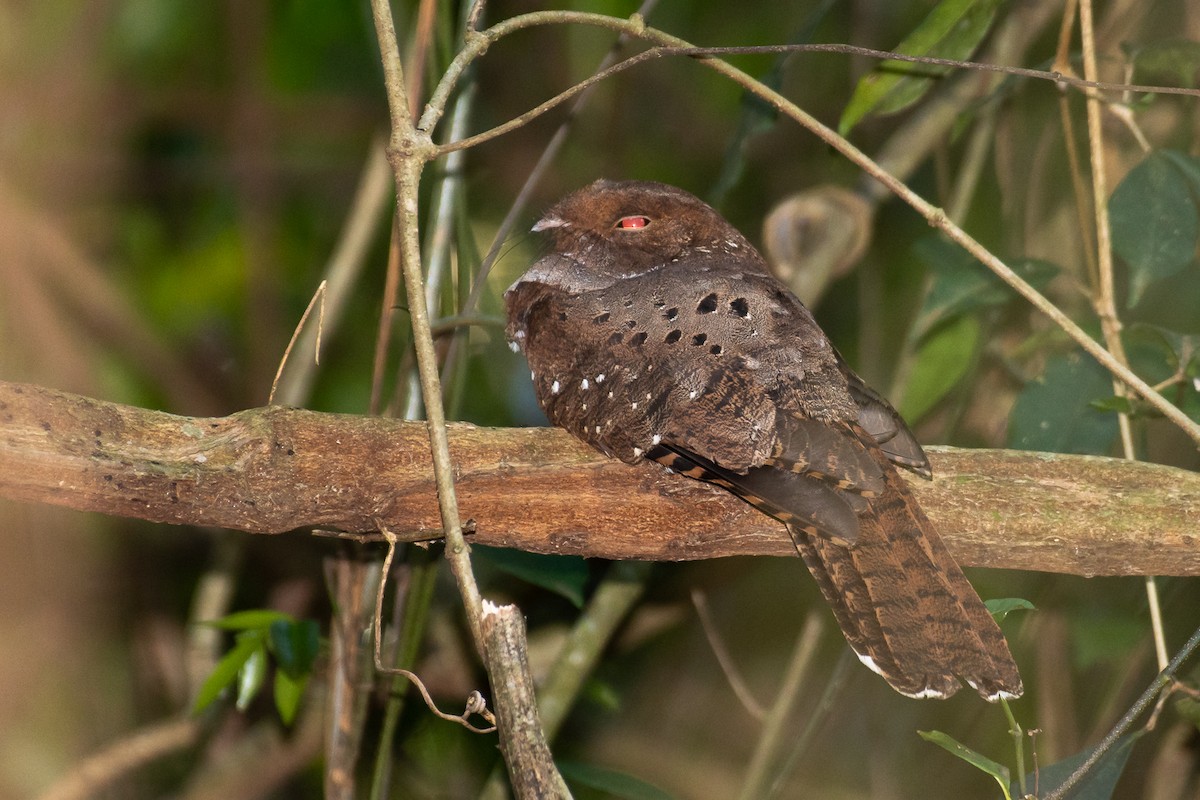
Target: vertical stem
{"type": "Point", "coordinates": [1106, 306]}
{"type": "Point", "coordinates": [759, 773]}
{"type": "Point", "coordinates": [353, 584]}
{"type": "Point", "coordinates": [408, 150]}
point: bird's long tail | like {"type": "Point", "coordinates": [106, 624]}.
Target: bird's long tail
{"type": "Point", "coordinates": [905, 606]}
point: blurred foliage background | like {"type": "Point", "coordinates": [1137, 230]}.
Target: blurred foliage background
{"type": "Point", "coordinates": [174, 177]}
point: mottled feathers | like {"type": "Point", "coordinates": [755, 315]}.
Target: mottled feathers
{"type": "Point", "coordinates": [654, 331]}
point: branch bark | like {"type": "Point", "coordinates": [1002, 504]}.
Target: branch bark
{"type": "Point", "coordinates": [531, 767]}
{"type": "Point", "coordinates": [275, 469]}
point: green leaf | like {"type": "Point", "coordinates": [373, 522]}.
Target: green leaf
{"type": "Point", "coordinates": [757, 115]}
{"type": "Point", "coordinates": [295, 645]}
{"type": "Point", "coordinates": [944, 357]}
{"type": "Point", "coordinates": [977, 760]}
{"type": "Point", "coordinates": [246, 620]}
{"type": "Point", "coordinates": [953, 29]}
{"type": "Point", "coordinates": [1001, 607]}
{"type": "Point", "coordinates": [617, 784]}
{"type": "Point", "coordinates": [1189, 709]}
{"type": "Point", "coordinates": [1115, 404]}
{"type": "Point", "coordinates": [1188, 166]}
{"type": "Point", "coordinates": [227, 669]}
{"type": "Point", "coordinates": [251, 677]}
{"type": "Point", "coordinates": [1102, 640]}
{"type": "Point", "coordinates": [1155, 222]}
{"type": "Point", "coordinates": [1178, 59]}
{"type": "Point", "coordinates": [1052, 413]}
{"type": "Point", "coordinates": [1098, 783]}
{"type": "Point", "coordinates": [1174, 350]}
{"type": "Point", "coordinates": [961, 285]}
{"type": "Point", "coordinates": [288, 694]}
{"type": "Point", "coordinates": [564, 575]}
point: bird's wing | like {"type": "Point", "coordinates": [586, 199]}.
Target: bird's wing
{"type": "Point", "coordinates": [703, 384]}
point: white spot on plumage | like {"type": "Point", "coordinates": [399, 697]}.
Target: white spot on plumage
{"type": "Point", "coordinates": [870, 663]}
{"type": "Point", "coordinates": [584, 408]}
{"type": "Point", "coordinates": [633, 405]}
{"type": "Point", "coordinates": [610, 395]}
{"type": "Point", "coordinates": [692, 394]}
{"type": "Point", "coordinates": [583, 384]}
{"type": "Point", "coordinates": [600, 378]}
{"type": "Point", "coordinates": [516, 348]}
{"type": "Point", "coordinates": [655, 439]}
{"type": "Point", "coordinates": [554, 387]}
{"type": "Point", "coordinates": [546, 223]}
{"type": "Point", "coordinates": [649, 396]}
{"type": "Point", "coordinates": [637, 452]}
{"type": "Point", "coordinates": [597, 429]}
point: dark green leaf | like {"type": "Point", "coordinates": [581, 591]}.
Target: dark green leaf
{"type": "Point", "coordinates": [295, 645]}
{"type": "Point", "coordinates": [617, 784]}
{"type": "Point", "coordinates": [1115, 404]}
{"type": "Point", "coordinates": [1155, 223]}
{"type": "Point", "coordinates": [251, 677]}
{"type": "Point", "coordinates": [757, 115]}
{"type": "Point", "coordinates": [953, 29]}
{"type": "Point", "coordinates": [288, 693]}
{"type": "Point", "coordinates": [961, 285]}
{"type": "Point", "coordinates": [1001, 607]}
{"type": "Point", "coordinates": [1180, 60]}
{"type": "Point", "coordinates": [564, 575]}
{"type": "Point", "coordinates": [603, 694]}
{"type": "Point", "coordinates": [1172, 349]}
{"type": "Point", "coordinates": [1188, 165]}
{"type": "Point", "coordinates": [227, 669]}
{"type": "Point", "coordinates": [944, 357]}
{"type": "Point", "coordinates": [1189, 709]}
{"type": "Point", "coordinates": [977, 760]}
{"type": "Point", "coordinates": [1052, 413]}
{"type": "Point", "coordinates": [1102, 640]}
{"type": "Point", "coordinates": [246, 620]}
{"type": "Point", "coordinates": [1099, 782]}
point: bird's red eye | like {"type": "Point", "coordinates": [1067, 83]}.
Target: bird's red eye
{"type": "Point", "coordinates": [632, 222]}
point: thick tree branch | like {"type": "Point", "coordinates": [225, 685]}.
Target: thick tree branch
{"type": "Point", "coordinates": [269, 470]}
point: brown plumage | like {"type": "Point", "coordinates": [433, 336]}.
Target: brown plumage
{"type": "Point", "coordinates": [654, 331]}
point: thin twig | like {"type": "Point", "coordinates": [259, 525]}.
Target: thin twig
{"type": "Point", "coordinates": [344, 266]}
{"type": "Point", "coordinates": [763, 762]}
{"type": "Point", "coordinates": [1105, 298]}
{"type": "Point", "coordinates": [318, 301]}
{"type": "Point", "coordinates": [936, 217]}
{"type": "Point", "coordinates": [408, 150]}
{"type": "Point", "coordinates": [717, 645]}
{"type": "Point", "coordinates": [100, 771]}
{"type": "Point", "coordinates": [1163, 679]}
{"type": "Point", "coordinates": [475, 703]}
{"type": "Point", "coordinates": [1018, 737]}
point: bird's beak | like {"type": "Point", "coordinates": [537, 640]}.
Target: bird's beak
{"type": "Point", "coordinates": [546, 223]}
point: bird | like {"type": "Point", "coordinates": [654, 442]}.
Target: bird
{"type": "Point", "coordinates": [655, 332]}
